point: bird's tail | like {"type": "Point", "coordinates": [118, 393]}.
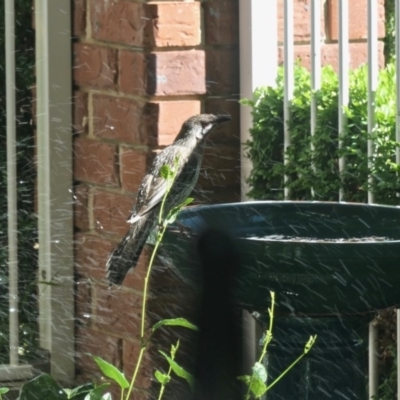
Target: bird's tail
{"type": "Point", "coordinates": [127, 253]}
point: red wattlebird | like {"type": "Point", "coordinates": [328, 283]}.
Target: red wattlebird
{"type": "Point", "coordinates": [184, 157]}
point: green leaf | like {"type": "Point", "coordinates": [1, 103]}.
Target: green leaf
{"type": "Point", "coordinates": [310, 343]}
{"type": "Point", "coordinates": [42, 387]}
{"type": "Point", "coordinates": [257, 387]}
{"type": "Point", "coordinates": [260, 372]}
{"type": "Point", "coordinates": [4, 390]}
{"type": "Point", "coordinates": [79, 391]}
{"type": "Point", "coordinates": [98, 393]}
{"type": "Point", "coordinates": [112, 372]}
{"type": "Point", "coordinates": [162, 378]}
{"type": "Point", "coordinates": [166, 172]}
{"type": "Point", "coordinates": [174, 322]}
{"type": "Point", "coordinates": [245, 379]}
{"type": "Point", "coordinates": [179, 371]}
{"type": "Point", "coordinates": [171, 217]}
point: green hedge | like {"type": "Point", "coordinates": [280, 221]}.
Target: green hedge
{"type": "Point", "coordinates": [324, 181]}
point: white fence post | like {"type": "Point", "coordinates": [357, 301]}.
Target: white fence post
{"type": "Point", "coordinates": [54, 155]}
{"type": "Point", "coordinates": [289, 80]}
{"type": "Point", "coordinates": [372, 81]}
{"type": "Point", "coordinates": [11, 180]}
{"type": "Point", "coordinates": [343, 73]}
{"type": "Point", "coordinates": [258, 67]}
{"type": "Point", "coordinates": [258, 63]}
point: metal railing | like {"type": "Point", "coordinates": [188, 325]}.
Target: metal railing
{"type": "Point", "coordinates": [258, 27]}
{"type": "Point", "coordinates": [54, 188]}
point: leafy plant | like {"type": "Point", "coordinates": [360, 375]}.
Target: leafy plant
{"type": "Point", "coordinates": [257, 382]}
{"type": "Point", "coordinates": [34, 388]}
{"type": "Point", "coordinates": [312, 161]}
{"type": "Point", "coordinates": [390, 36]}
{"type": "Point", "coordinates": [3, 390]}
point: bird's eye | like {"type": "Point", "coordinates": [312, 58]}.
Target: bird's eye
{"type": "Point", "coordinates": [206, 126]}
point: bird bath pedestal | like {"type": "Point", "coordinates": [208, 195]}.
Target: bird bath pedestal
{"type": "Point", "coordinates": [330, 265]}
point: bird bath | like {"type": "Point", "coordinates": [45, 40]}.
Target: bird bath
{"type": "Point", "coordinates": [331, 262]}
{"type": "Point", "coordinates": [320, 258]}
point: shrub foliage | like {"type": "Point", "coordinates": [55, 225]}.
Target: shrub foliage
{"type": "Point", "coordinates": [312, 164]}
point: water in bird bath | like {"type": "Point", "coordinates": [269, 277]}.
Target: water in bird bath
{"type": "Point", "coordinates": [286, 238]}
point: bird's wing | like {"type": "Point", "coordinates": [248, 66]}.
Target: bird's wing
{"type": "Point", "coordinates": [154, 186]}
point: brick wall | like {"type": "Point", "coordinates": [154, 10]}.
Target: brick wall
{"type": "Point", "coordinates": [329, 32]}
{"type": "Point", "coordinates": [140, 69]}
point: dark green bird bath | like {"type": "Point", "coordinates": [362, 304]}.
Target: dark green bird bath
{"type": "Point", "coordinates": [330, 265]}
{"type": "Point", "coordinates": [320, 258]}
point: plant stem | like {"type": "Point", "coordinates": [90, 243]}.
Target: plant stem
{"type": "Point", "coordinates": [174, 349]}
{"type": "Point", "coordinates": [268, 338]}
{"type": "Point", "coordinates": [286, 371]}
{"type": "Point", "coordinates": [143, 344]}
{"type": "Point", "coordinates": [138, 363]}
{"type": "Point", "coordinates": [307, 348]}
{"type": "Point", "coordinates": [162, 389]}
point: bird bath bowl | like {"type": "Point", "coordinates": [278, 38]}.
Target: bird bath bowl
{"type": "Point", "coordinates": [320, 258]}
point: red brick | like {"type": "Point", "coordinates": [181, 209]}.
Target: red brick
{"type": "Point", "coordinates": [174, 24]}
{"type": "Point", "coordinates": [91, 255]}
{"type": "Point", "coordinates": [83, 302]}
{"type": "Point", "coordinates": [301, 21]}
{"type": "Point", "coordinates": [94, 162]}
{"type": "Point", "coordinates": [168, 117]}
{"type": "Point", "coordinates": [110, 212]}
{"type": "Point", "coordinates": [118, 21]}
{"type": "Point", "coordinates": [79, 17]}
{"type": "Point", "coordinates": [358, 19]}
{"type": "Point", "coordinates": [130, 356]}
{"type": "Point", "coordinates": [95, 66]}
{"type": "Point", "coordinates": [221, 22]}
{"type": "Point", "coordinates": [80, 112]}
{"type": "Point", "coordinates": [230, 131]}
{"type": "Point", "coordinates": [222, 71]}
{"type": "Point", "coordinates": [132, 72]}
{"type": "Point", "coordinates": [330, 55]}
{"type": "Point", "coordinates": [133, 167]}
{"type": "Point", "coordinates": [118, 119]}
{"type": "Point", "coordinates": [117, 312]}
{"type": "Point", "coordinates": [176, 73]}
{"type": "Point", "coordinates": [89, 342]}
{"type": "Point", "coordinates": [81, 207]}
{"type": "Point", "coordinates": [139, 394]}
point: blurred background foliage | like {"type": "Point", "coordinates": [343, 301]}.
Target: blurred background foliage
{"type": "Point", "coordinates": [26, 170]}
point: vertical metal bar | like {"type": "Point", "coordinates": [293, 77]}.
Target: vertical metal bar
{"type": "Point", "coordinates": [372, 83]}
{"type": "Point", "coordinates": [258, 29]}
{"type": "Point", "coordinates": [397, 44]}
{"type": "Point", "coordinates": [343, 74]}
{"type": "Point", "coordinates": [54, 155]}
{"type": "Point", "coordinates": [315, 65]}
{"type": "Point", "coordinates": [398, 351]}
{"type": "Point", "coordinates": [372, 360]}
{"type": "Point", "coordinates": [289, 79]}
{"type": "Point", "coordinates": [11, 180]}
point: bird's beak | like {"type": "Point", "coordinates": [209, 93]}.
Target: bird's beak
{"type": "Point", "coordinates": [222, 118]}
